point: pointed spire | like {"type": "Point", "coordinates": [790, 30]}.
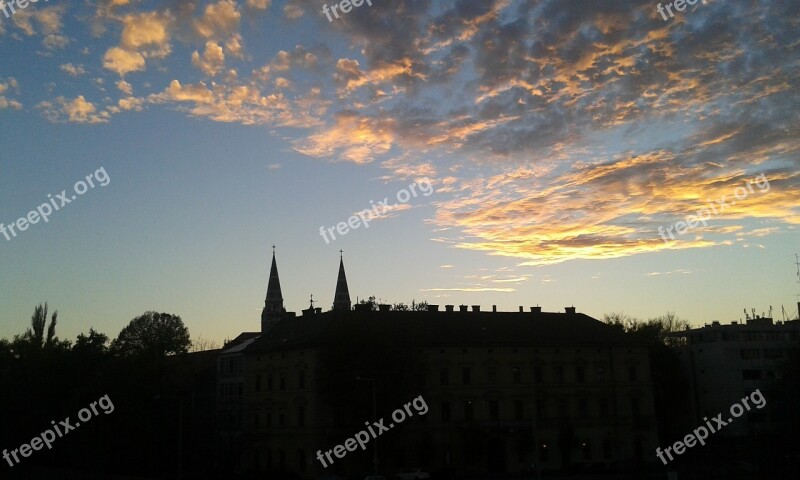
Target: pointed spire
{"type": "Point", "coordinates": [341, 299]}
{"type": "Point", "coordinates": [273, 304]}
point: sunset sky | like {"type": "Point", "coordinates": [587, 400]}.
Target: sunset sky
{"type": "Point", "coordinates": [558, 135]}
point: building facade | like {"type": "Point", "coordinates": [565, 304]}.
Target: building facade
{"type": "Point", "coordinates": [725, 362]}
{"type": "Point", "coordinates": [505, 391]}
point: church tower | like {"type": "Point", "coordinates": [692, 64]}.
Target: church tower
{"type": "Point", "coordinates": [273, 305]}
{"type": "Point", "coordinates": [341, 299]}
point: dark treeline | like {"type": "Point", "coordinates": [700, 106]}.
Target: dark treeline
{"type": "Point", "coordinates": [151, 382]}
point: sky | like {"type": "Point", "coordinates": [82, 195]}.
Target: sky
{"type": "Point", "coordinates": [483, 152]}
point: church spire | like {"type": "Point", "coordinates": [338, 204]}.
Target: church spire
{"type": "Point", "coordinates": [273, 304]}
{"type": "Point", "coordinates": [341, 299]}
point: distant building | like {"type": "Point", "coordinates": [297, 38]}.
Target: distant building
{"type": "Point", "coordinates": [726, 362]}
{"type": "Point", "coordinates": [230, 394]}
{"type": "Point", "coordinates": [493, 382]}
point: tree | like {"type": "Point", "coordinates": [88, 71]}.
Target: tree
{"type": "Point", "coordinates": [202, 344]}
{"type": "Point", "coordinates": [34, 339]}
{"type": "Point", "coordinates": [419, 307]}
{"type": "Point", "coordinates": [372, 302]}
{"type": "Point", "coordinates": [93, 344]}
{"type": "Point", "coordinates": [670, 384]}
{"type": "Point", "coordinates": [155, 334]}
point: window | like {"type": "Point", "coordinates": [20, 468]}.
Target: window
{"type": "Point", "coordinates": [583, 407]}
{"type": "Point", "coordinates": [491, 375]}
{"type": "Point", "coordinates": [444, 376]}
{"type": "Point", "coordinates": [608, 451]}
{"type": "Point", "coordinates": [516, 375]}
{"type": "Point", "coordinates": [258, 383]}
{"type": "Point", "coordinates": [751, 374]}
{"type": "Point", "coordinates": [519, 410]}
{"type": "Point", "coordinates": [563, 408]}
{"type": "Point", "coordinates": [301, 460]}
{"type": "Point", "coordinates": [636, 408]}
{"type": "Point", "coordinates": [773, 353]}
{"type": "Point", "coordinates": [580, 374]}
{"type": "Point", "coordinates": [269, 418]}
{"type": "Point", "coordinates": [468, 412]}
{"type": "Point", "coordinates": [283, 381]}
{"type": "Point", "coordinates": [632, 374]}
{"type": "Point", "coordinates": [445, 411]}
{"type": "Point", "coordinates": [269, 382]}
{"type": "Point", "coordinates": [281, 418]}
{"type": "Point", "coordinates": [586, 450]}
{"type": "Point", "coordinates": [559, 372]}
{"type": "Point", "coordinates": [537, 375]}
{"type": "Point", "coordinates": [494, 410]}
{"type": "Point", "coordinates": [603, 407]}
{"type": "Point", "coordinates": [301, 380]}
{"type": "Point", "coordinates": [543, 456]}
{"type": "Point", "coordinates": [256, 419]}
{"type": "Point", "coordinates": [750, 353]}
{"type": "Point", "coordinates": [601, 374]}
{"type": "Point", "coordinates": [465, 375]}
{"type": "Point", "coordinates": [301, 416]}
{"type": "Point", "coordinates": [541, 409]}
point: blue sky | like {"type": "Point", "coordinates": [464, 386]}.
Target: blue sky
{"type": "Point", "coordinates": [558, 135]}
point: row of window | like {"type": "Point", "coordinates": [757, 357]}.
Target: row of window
{"type": "Point", "coordinates": [589, 451]}
{"type": "Point", "coordinates": [230, 391]}
{"type": "Point", "coordinates": [766, 353]}
{"type": "Point", "coordinates": [281, 418]}
{"type": "Point", "coordinates": [301, 381]}
{"type": "Point", "coordinates": [491, 411]}
{"type": "Point", "coordinates": [270, 464]}
{"type": "Point", "coordinates": [557, 375]}
{"type": "Point", "coordinates": [563, 409]}
{"type": "Point", "coordinates": [232, 365]}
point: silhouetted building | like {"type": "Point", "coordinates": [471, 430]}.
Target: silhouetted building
{"type": "Point", "coordinates": [726, 362]}
{"type": "Point", "coordinates": [501, 388]}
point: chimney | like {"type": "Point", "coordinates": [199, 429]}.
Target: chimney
{"type": "Point", "coordinates": [536, 309]}
{"type": "Point", "coordinates": [476, 308]}
{"type": "Point", "coordinates": [462, 308]}
{"type": "Point", "coordinates": [570, 310]}
{"type": "Point", "coordinates": [433, 308]}
{"type": "Point", "coordinates": [449, 308]}
{"type": "Point", "coordinates": [494, 308]}
{"type": "Point", "coordinates": [798, 310]}
{"type": "Point", "coordinates": [521, 309]}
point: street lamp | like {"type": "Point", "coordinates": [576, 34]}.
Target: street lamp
{"type": "Point", "coordinates": [374, 417]}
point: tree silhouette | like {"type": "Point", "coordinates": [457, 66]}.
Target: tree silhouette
{"type": "Point", "coordinates": [34, 339]}
{"type": "Point", "coordinates": [93, 344]}
{"type": "Point", "coordinates": [154, 334]}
